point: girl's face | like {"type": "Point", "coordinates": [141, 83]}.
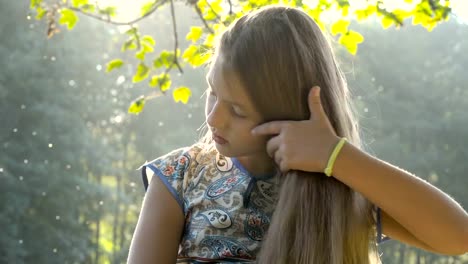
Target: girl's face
{"type": "Point", "coordinates": [231, 115]}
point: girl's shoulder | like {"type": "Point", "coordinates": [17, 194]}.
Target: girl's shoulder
{"type": "Point", "coordinates": [195, 154]}
{"type": "Point", "coordinates": [178, 164]}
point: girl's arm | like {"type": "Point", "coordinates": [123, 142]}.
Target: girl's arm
{"type": "Point", "coordinates": [413, 210]}
{"type": "Point", "coordinates": [159, 229]}
{"type": "Point", "coordinates": [398, 232]}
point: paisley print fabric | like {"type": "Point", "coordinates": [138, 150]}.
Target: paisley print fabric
{"type": "Point", "coordinates": [227, 210]}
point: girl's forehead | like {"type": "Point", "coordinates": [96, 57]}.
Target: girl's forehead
{"type": "Point", "coordinates": [224, 80]}
{"type": "Point", "coordinates": [226, 84]}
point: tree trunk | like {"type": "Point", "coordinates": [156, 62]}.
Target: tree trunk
{"type": "Point", "coordinates": [402, 253]}
{"type": "Point", "coordinates": [418, 256]}
{"type": "Point", "coordinates": [119, 192]}
{"type": "Point", "coordinates": [429, 258]}
{"type": "Point", "coordinates": [116, 217]}
{"type": "Point", "coordinates": [123, 228]}
{"type": "Point", "coordinates": [98, 224]}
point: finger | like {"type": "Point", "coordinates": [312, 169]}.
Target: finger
{"type": "Point", "coordinates": [283, 167]}
{"type": "Point", "coordinates": [315, 105]}
{"type": "Point", "coordinates": [273, 145]}
{"type": "Point", "coordinates": [278, 158]}
{"type": "Point", "coordinates": [269, 128]}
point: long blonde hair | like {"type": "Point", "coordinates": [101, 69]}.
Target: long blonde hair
{"type": "Point", "coordinates": [279, 53]}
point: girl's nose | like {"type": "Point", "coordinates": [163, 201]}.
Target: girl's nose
{"type": "Point", "coordinates": [216, 117]}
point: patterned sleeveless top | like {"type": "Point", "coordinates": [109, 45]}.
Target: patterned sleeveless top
{"type": "Point", "coordinates": [227, 210]}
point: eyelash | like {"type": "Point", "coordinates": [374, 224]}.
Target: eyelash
{"type": "Point", "coordinates": [233, 110]}
{"type": "Point", "coordinates": [211, 93]}
{"type": "Point", "coordinates": [236, 114]}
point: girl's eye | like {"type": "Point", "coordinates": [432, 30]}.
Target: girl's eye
{"type": "Point", "coordinates": [237, 113]}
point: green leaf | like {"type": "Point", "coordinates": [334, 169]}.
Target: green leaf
{"type": "Point", "coordinates": [430, 24]}
{"type": "Point", "coordinates": [154, 81]}
{"type": "Point", "coordinates": [88, 8]}
{"type": "Point", "coordinates": [78, 3]}
{"type": "Point", "coordinates": [340, 26]}
{"type": "Point", "coordinates": [216, 6]}
{"type": "Point", "coordinates": [132, 32]}
{"type": "Point", "coordinates": [401, 14]}
{"type": "Point", "coordinates": [194, 34]}
{"type": "Point", "coordinates": [355, 36]}
{"type": "Point", "coordinates": [129, 45]}
{"type": "Point", "coordinates": [40, 13]}
{"type": "Point", "coordinates": [425, 20]}
{"type": "Point", "coordinates": [166, 58]}
{"type": "Point", "coordinates": [141, 74]}
{"type": "Point", "coordinates": [210, 16]}
{"type": "Point", "coordinates": [110, 11]}
{"type": "Point", "coordinates": [35, 3]}
{"type": "Point", "coordinates": [209, 40]}
{"type": "Point", "coordinates": [146, 8]}
{"type": "Point", "coordinates": [68, 17]}
{"type": "Point", "coordinates": [362, 14]}
{"type": "Point", "coordinates": [191, 51]}
{"type": "Point", "coordinates": [351, 40]}
{"type": "Point", "coordinates": [157, 63]}
{"type": "Point", "coordinates": [148, 39]}
{"type": "Point", "coordinates": [201, 4]}
{"type": "Point", "coordinates": [387, 22]}
{"type": "Point", "coordinates": [163, 80]}
{"type": "Point", "coordinates": [140, 55]}
{"type": "Point", "coordinates": [345, 11]}
{"type": "Point", "coordinates": [165, 85]}
{"type": "Point", "coordinates": [196, 55]}
{"type": "Point", "coordinates": [419, 18]}
{"type": "Point", "coordinates": [147, 47]}
{"type": "Point", "coordinates": [181, 94]}
{"type": "Point", "coordinates": [114, 64]}
{"type": "Point", "coordinates": [137, 106]}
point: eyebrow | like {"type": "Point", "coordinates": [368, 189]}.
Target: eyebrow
{"type": "Point", "coordinates": [210, 83]}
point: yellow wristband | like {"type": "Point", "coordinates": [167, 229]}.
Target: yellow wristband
{"type": "Point", "coordinates": [331, 160]}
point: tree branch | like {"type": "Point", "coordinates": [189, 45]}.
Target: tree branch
{"type": "Point", "coordinates": [176, 38]}
{"type": "Point", "coordinates": [432, 5]}
{"type": "Point", "coordinates": [230, 7]}
{"type": "Point", "coordinates": [384, 12]}
{"type": "Point", "coordinates": [202, 19]}
{"type": "Point", "coordinates": [157, 4]}
{"type": "Point", "coordinates": [212, 10]}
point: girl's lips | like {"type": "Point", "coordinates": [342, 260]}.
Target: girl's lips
{"type": "Point", "coordinates": [219, 139]}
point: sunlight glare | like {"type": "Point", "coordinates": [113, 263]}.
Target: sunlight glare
{"type": "Point", "coordinates": [130, 10]}
{"type": "Point", "coordinates": [460, 9]}
{"type": "Point", "coordinates": [126, 10]}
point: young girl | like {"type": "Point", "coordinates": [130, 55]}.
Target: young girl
{"type": "Point", "coordinates": [298, 191]}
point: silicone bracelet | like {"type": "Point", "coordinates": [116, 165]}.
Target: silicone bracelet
{"type": "Point", "coordinates": [331, 160]}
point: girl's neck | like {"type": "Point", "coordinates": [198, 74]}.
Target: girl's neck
{"type": "Point", "coordinates": [257, 164]}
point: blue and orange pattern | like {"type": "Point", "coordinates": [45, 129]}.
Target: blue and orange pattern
{"type": "Point", "coordinates": [210, 188]}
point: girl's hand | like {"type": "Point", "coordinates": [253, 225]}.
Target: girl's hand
{"type": "Point", "coordinates": [301, 145]}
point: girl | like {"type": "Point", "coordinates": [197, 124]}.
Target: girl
{"type": "Point", "coordinates": [305, 181]}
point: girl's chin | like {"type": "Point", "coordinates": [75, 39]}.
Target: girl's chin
{"type": "Point", "coordinates": [224, 150]}
{"type": "Point", "coordinates": [228, 150]}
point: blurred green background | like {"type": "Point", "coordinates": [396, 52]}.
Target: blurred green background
{"type": "Point", "coordinates": [70, 191]}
